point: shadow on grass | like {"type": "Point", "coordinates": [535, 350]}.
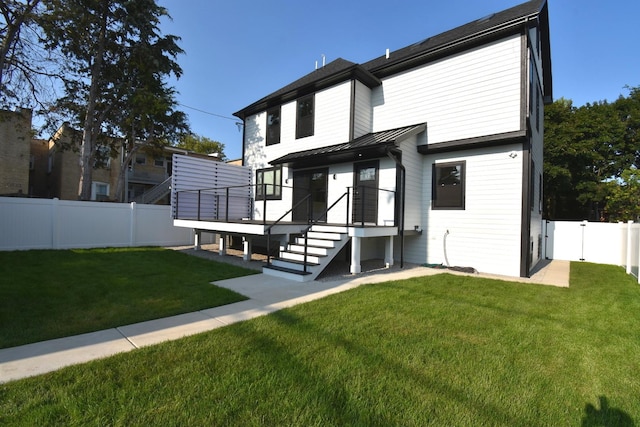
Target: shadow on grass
{"type": "Point", "coordinates": [605, 416]}
{"type": "Point", "coordinates": [339, 402]}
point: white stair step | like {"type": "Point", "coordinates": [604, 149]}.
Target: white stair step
{"type": "Point", "coordinates": [295, 256]}
{"type": "Point", "coordinates": [330, 229]}
{"type": "Point", "coordinates": [323, 235]}
{"type": "Point", "coordinates": [310, 249]}
{"type": "Point", "coordinates": [318, 243]}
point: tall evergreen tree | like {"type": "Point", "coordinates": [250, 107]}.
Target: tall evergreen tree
{"type": "Point", "coordinates": [117, 66]}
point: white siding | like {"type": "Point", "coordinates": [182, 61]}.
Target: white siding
{"type": "Point", "coordinates": [331, 126]}
{"type": "Point", "coordinates": [471, 94]}
{"type": "Point", "coordinates": [363, 113]}
{"type": "Point", "coordinates": [486, 234]}
{"type": "Point", "coordinates": [412, 162]}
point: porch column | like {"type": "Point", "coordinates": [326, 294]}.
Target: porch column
{"type": "Point", "coordinates": [197, 240]}
{"type": "Point", "coordinates": [246, 249]}
{"type": "Point", "coordinates": [388, 252]}
{"type": "Point", "coordinates": [222, 246]}
{"type": "Point", "coordinates": [355, 255]}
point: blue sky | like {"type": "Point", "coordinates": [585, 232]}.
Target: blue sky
{"type": "Point", "coordinates": [238, 52]}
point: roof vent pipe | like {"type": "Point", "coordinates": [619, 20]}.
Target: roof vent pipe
{"type": "Point", "coordinates": [323, 60]}
{"type": "Point", "coordinates": [387, 54]}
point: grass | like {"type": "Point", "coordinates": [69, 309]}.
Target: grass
{"type": "Point", "coordinates": [52, 294]}
{"type": "Point", "coordinates": [441, 350]}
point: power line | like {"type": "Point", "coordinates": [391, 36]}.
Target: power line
{"type": "Point", "coordinates": [235, 119]}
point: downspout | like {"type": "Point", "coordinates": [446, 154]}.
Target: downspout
{"type": "Point", "coordinates": [402, 194]}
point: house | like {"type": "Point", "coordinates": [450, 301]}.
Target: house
{"type": "Point", "coordinates": [431, 154]}
{"type": "Point", "coordinates": [15, 157]}
{"type": "Point", "coordinates": [147, 179]}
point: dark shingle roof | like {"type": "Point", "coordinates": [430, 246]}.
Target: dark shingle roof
{"type": "Point", "coordinates": [447, 43]}
{"type": "Point", "coordinates": [486, 26]}
{"type": "Point", "coordinates": [377, 141]}
{"type": "Point", "coordinates": [334, 72]}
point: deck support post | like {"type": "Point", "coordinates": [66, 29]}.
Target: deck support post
{"type": "Point", "coordinates": [388, 252]}
{"type": "Point", "coordinates": [246, 248]}
{"type": "Point", "coordinates": [197, 240]}
{"type": "Point", "coordinates": [355, 255]}
{"type": "Point", "coordinates": [222, 246]}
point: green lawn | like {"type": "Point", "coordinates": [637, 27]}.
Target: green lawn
{"type": "Point", "coordinates": [441, 350]}
{"type": "Point", "coordinates": [51, 294]}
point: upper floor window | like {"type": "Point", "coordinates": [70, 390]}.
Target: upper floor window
{"type": "Point", "coordinates": [141, 159]}
{"type": "Point", "coordinates": [448, 186]}
{"type": "Point", "coordinates": [304, 118]}
{"type": "Point", "coordinates": [273, 126]}
{"type": "Point", "coordinates": [102, 157]}
{"type": "Point", "coordinates": [269, 183]}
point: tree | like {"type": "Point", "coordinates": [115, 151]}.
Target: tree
{"type": "Point", "coordinates": [202, 144]}
{"type": "Point", "coordinates": [623, 198]}
{"type": "Point", "coordinates": [585, 148]}
{"type": "Point", "coordinates": [24, 64]}
{"type": "Point", "coordinates": [117, 66]}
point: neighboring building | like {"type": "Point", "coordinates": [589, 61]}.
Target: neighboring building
{"type": "Point", "coordinates": [147, 179]}
{"type": "Point", "coordinates": [63, 168]}
{"type": "Point", "coordinates": [39, 185]}
{"type": "Point", "coordinates": [15, 139]}
{"type": "Point", "coordinates": [436, 149]}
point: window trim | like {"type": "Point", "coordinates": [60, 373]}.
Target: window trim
{"type": "Point", "coordinates": [304, 129]}
{"type": "Point", "coordinates": [435, 204]}
{"type": "Point", "coordinates": [95, 196]}
{"type": "Point", "coordinates": [276, 185]}
{"type": "Point", "coordinates": [271, 127]}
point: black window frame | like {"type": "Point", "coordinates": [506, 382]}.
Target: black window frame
{"type": "Point", "coordinates": [273, 125]}
{"type": "Point", "coordinates": [305, 116]}
{"type": "Point", "coordinates": [438, 202]}
{"type": "Point", "coordinates": [272, 189]}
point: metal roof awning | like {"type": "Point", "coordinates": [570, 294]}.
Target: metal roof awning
{"type": "Point", "coordinates": [369, 146]}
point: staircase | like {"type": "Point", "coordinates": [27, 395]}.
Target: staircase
{"type": "Point", "coordinates": [155, 193]}
{"type": "Point", "coordinates": [323, 244]}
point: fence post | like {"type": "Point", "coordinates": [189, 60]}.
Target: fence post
{"type": "Point", "coordinates": [55, 223]}
{"type": "Point", "coordinates": [628, 260]}
{"type": "Point", "coordinates": [638, 248]}
{"type": "Point", "coordinates": [132, 225]}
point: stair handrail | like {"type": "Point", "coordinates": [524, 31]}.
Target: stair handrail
{"type": "Point", "coordinates": [151, 194]}
{"type": "Point", "coordinates": [268, 229]}
{"type": "Point", "coordinates": [313, 221]}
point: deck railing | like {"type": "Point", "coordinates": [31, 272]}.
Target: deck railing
{"type": "Point", "coordinates": [237, 203]}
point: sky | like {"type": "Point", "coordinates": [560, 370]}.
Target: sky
{"type": "Point", "coordinates": [239, 52]}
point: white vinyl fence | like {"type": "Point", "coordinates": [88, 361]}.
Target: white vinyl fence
{"type": "Point", "coordinates": [598, 242]}
{"type": "Point", "coordinates": [60, 224]}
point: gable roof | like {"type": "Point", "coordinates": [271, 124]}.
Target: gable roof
{"type": "Point", "coordinates": [334, 72]}
{"type": "Point", "coordinates": [483, 30]}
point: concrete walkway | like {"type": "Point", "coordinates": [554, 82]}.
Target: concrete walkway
{"type": "Point", "coordinates": [266, 294]}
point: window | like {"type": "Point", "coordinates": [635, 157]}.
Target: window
{"type": "Point", "coordinates": [304, 119]}
{"type": "Point", "coordinates": [448, 186]}
{"type": "Point", "coordinates": [99, 191]}
{"type": "Point", "coordinates": [273, 126]}
{"type": "Point", "coordinates": [269, 183]}
{"type": "Point", "coordinates": [141, 159]}
{"type": "Point", "coordinates": [102, 157]}
{"type": "Point", "coordinates": [158, 161]}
